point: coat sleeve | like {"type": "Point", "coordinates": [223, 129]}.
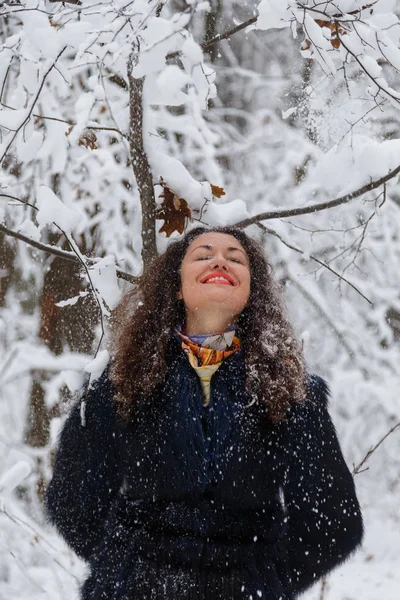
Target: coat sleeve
{"type": "Point", "coordinates": [87, 472]}
{"type": "Point", "coordinates": [324, 522]}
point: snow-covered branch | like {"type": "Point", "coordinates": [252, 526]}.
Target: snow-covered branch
{"type": "Point", "coordinates": [32, 103]}
{"type": "Point", "coordinates": [65, 254]}
{"type": "Point", "coordinates": [306, 210]}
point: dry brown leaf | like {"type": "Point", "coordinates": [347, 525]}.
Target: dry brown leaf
{"type": "Point", "coordinates": [217, 191]}
{"type": "Point", "coordinates": [88, 140]}
{"type": "Point", "coordinates": [173, 211]}
{"type": "Point", "coordinates": [306, 45]}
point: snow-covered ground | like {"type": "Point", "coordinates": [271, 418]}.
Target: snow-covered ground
{"type": "Point", "coordinates": [373, 572]}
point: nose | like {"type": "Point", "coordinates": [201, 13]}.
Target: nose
{"type": "Point", "coordinates": [219, 263]}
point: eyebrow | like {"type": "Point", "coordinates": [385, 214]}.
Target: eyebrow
{"type": "Point", "coordinates": [209, 247]}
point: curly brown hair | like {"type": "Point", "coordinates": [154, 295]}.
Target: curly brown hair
{"type": "Point", "coordinates": [148, 314]}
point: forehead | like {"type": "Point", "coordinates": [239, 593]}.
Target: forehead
{"type": "Point", "coordinates": [215, 240]}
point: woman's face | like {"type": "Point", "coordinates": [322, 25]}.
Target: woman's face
{"type": "Point", "coordinates": [215, 275]}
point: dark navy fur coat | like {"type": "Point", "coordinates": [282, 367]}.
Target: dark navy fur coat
{"type": "Point", "coordinates": [215, 503]}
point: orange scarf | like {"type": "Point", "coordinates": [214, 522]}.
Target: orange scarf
{"type": "Point", "coordinates": [213, 349]}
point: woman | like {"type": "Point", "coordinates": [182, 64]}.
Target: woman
{"type": "Point", "coordinates": [208, 467]}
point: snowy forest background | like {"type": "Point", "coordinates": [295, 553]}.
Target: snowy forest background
{"type": "Point", "coordinates": [118, 119]}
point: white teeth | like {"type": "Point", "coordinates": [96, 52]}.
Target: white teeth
{"type": "Point", "coordinates": [217, 279]}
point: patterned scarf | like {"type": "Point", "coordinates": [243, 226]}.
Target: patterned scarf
{"type": "Point", "coordinates": [206, 353]}
{"type": "Point", "coordinates": [205, 349]}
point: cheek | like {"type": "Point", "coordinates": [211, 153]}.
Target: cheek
{"type": "Point", "coordinates": [188, 276]}
{"type": "Point", "coordinates": [246, 289]}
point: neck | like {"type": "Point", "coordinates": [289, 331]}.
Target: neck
{"type": "Point", "coordinates": [207, 323]}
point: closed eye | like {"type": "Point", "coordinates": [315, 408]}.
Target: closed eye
{"type": "Point", "coordinates": [235, 260]}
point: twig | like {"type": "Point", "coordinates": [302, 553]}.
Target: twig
{"type": "Point", "coordinates": [357, 469]}
{"type": "Point", "coordinates": [368, 74]}
{"type": "Point", "coordinates": [320, 262]}
{"type": "Point", "coordinates": [30, 111]}
{"type": "Point", "coordinates": [60, 253]}
{"type": "Point", "coordinates": [77, 2]}
{"type": "Point", "coordinates": [221, 36]}
{"type": "Point", "coordinates": [293, 212]}
{"type": "Point", "coordinates": [27, 527]}
{"type": "Point", "coordinates": [323, 588]}
{"type": "Point", "coordinates": [71, 123]}
{"type": "Point", "coordinates": [324, 315]}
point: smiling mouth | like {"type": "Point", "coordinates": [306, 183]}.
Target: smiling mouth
{"type": "Point", "coordinates": [219, 280]}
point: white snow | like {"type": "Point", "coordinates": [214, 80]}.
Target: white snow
{"type": "Point", "coordinates": [226, 214]}
{"type": "Point", "coordinates": [96, 366]}
{"type": "Point", "coordinates": [52, 210]}
{"type": "Point", "coordinates": [14, 476]}
{"type": "Point", "coordinates": [104, 277]}
{"type": "Point", "coordinates": [342, 134]}
{"type": "Point", "coordinates": [274, 14]}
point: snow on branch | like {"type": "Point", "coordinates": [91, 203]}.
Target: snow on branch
{"type": "Point", "coordinates": [336, 31]}
{"type": "Point", "coordinates": [65, 254]}
{"type": "Point", "coordinates": [26, 117]}
{"type": "Point", "coordinates": [293, 212]}
{"type": "Point", "coordinates": [314, 258]}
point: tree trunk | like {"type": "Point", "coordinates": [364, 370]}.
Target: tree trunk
{"type": "Point", "coordinates": [70, 326]}
{"type": "Point", "coordinates": [140, 165]}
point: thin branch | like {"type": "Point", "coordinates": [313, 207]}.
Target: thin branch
{"type": "Point", "coordinates": [294, 212]}
{"type": "Point", "coordinates": [337, 16]}
{"type": "Point", "coordinates": [324, 315]}
{"type": "Point", "coordinates": [368, 74]}
{"type": "Point", "coordinates": [83, 261]}
{"type": "Point", "coordinates": [221, 36]}
{"type": "Point", "coordinates": [28, 116]}
{"type": "Point", "coordinates": [47, 547]}
{"type": "Point", "coordinates": [323, 588]}
{"type": "Point", "coordinates": [352, 125]}
{"type": "Point", "coordinates": [357, 469]}
{"type": "Point", "coordinates": [38, 245]}
{"type": "Point", "coordinates": [5, 79]}
{"type": "Point", "coordinates": [320, 262]}
{"type": "Point", "coordinates": [77, 2]}
{"type": "Point", "coordinates": [60, 253]}
{"type": "Point", "coordinates": [67, 122]}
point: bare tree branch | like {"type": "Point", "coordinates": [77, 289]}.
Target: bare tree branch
{"type": "Point", "coordinates": [71, 123]}
{"type": "Point", "coordinates": [83, 261]}
{"type": "Point", "coordinates": [357, 469]}
{"type": "Point", "coordinates": [325, 316]}
{"type": "Point", "coordinates": [324, 583]}
{"type": "Point", "coordinates": [77, 2]}
{"type": "Point", "coordinates": [28, 116]}
{"type": "Point", "coordinates": [294, 212]}
{"type": "Point", "coordinates": [320, 262]}
{"type": "Point", "coordinates": [60, 253]}
{"type": "Point", "coordinates": [141, 166]}
{"type": "Point", "coordinates": [221, 36]}
{"type": "Point", "coordinates": [362, 66]}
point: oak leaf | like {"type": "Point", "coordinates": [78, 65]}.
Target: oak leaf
{"type": "Point", "coordinates": [174, 211]}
